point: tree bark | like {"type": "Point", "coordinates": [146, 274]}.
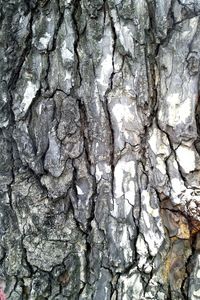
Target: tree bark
{"type": "Point", "coordinates": [99, 149]}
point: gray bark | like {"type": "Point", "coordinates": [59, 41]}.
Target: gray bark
{"type": "Point", "coordinates": [99, 149]}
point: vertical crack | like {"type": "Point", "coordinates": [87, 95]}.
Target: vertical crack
{"type": "Point", "coordinates": [106, 105]}
{"type": "Point", "coordinates": [75, 12]}
{"type": "Point", "coordinates": [59, 23]}
{"type": "Point", "coordinates": [84, 127]}
{"type": "Point", "coordinates": [28, 44]}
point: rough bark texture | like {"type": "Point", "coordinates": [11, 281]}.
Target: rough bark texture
{"type": "Point", "coordinates": [99, 149]}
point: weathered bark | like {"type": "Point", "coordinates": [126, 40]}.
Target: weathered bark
{"type": "Point", "coordinates": [99, 149]}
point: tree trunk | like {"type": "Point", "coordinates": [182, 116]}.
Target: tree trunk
{"type": "Point", "coordinates": [99, 149]}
